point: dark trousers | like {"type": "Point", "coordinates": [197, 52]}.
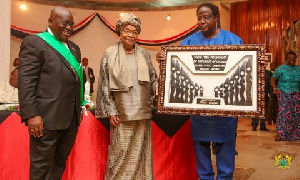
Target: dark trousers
{"type": "Point", "coordinates": [272, 112]}
{"type": "Point", "coordinates": [49, 153]}
{"type": "Point", "coordinates": [255, 121]}
{"type": "Point", "coordinates": [225, 158]}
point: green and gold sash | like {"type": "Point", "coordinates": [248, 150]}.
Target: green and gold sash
{"type": "Point", "coordinates": [66, 53]}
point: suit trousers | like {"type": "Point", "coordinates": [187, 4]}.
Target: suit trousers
{"type": "Point", "coordinates": [272, 109]}
{"type": "Point", "coordinates": [225, 158]}
{"type": "Point", "coordinates": [49, 153]}
{"type": "Point", "coordinates": [255, 121]}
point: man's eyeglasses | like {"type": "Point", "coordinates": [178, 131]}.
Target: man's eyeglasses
{"type": "Point", "coordinates": [127, 32]}
{"type": "Point", "coordinates": [205, 18]}
{"type": "Point", "coordinates": [65, 23]}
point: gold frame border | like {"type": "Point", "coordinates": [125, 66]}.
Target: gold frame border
{"type": "Point", "coordinates": [260, 113]}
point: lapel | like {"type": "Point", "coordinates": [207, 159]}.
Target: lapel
{"type": "Point", "coordinates": [89, 71]}
{"type": "Point", "coordinates": [72, 49]}
{"type": "Point", "coordinates": [74, 52]}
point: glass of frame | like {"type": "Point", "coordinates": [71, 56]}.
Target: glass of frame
{"type": "Point", "coordinates": [220, 80]}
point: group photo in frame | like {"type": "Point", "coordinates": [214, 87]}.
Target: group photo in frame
{"type": "Point", "coordinates": [221, 80]}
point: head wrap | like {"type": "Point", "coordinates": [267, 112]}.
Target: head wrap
{"type": "Point", "coordinates": [128, 19]}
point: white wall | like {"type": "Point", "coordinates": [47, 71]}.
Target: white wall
{"type": "Point", "coordinates": [97, 37]}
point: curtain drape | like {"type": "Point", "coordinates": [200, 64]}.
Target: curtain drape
{"type": "Point", "coordinates": [265, 22]}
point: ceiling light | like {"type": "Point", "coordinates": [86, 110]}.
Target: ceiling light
{"type": "Point", "coordinates": [23, 6]}
{"type": "Point", "coordinates": [168, 18]}
{"type": "Point", "coordinates": [121, 14]}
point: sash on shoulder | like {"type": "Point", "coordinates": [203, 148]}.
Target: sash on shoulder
{"type": "Point", "coordinates": [66, 53]}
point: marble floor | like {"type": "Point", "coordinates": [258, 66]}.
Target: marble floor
{"type": "Point", "coordinates": [257, 151]}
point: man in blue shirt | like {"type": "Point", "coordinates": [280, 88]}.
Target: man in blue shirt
{"type": "Point", "coordinates": [207, 129]}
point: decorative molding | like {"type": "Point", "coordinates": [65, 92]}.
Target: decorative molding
{"type": "Point", "coordinates": [225, 7]}
{"type": "Point", "coordinates": [141, 5]}
{"type": "Point", "coordinates": [20, 32]}
{"type": "Point", "coordinates": [94, 5]}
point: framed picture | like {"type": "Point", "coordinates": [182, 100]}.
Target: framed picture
{"type": "Point", "coordinates": [270, 57]}
{"type": "Point", "coordinates": [223, 80]}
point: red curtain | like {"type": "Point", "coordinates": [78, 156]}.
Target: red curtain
{"type": "Point", "coordinates": [264, 22]}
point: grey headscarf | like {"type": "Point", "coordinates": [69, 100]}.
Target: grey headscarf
{"type": "Point", "coordinates": [128, 19]}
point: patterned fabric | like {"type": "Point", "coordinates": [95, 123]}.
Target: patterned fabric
{"type": "Point", "coordinates": [130, 149]}
{"type": "Point", "coordinates": [128, 18]}
{"type": "Point", "coordinates": [288, 78]}
{"type": "Point", "coordinates": [288, 120]}
{"type": "Point", "coordinates": [106, 106]}
{"type": "Point", "coordinates": [134, 104]}
{"type": "Point", "coordinates": [130, 152]}
{"type": "Point", "coordinates": [206, 128]}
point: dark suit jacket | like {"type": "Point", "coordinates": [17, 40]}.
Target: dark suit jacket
{"type": "Point", "coordinates": [269, 88]}
{"type": "Point", "coordinates": [48, 85]}
{"type": "Point", "coordinates": [92, 78]}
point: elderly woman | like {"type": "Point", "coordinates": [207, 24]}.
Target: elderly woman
{"type": "Point", "coordinates": [125, 91]}
{"type": "Point", "coordinates": [288, 91]}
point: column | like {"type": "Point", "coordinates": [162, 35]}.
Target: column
{"type": "Point", "coordinates": [5, 39]}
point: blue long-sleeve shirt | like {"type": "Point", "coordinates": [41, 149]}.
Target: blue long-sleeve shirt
{"type": "Point", "coordinates": [213, 128]}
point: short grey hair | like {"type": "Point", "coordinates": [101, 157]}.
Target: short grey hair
{"type": "Point", "coordinates": [128, 19]}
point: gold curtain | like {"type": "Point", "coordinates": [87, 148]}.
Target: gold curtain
{"type": "Point", "coordinates": [267, 22]}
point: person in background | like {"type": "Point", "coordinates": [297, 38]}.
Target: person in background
{"type": "Point", "coordinates": [126, 89]}
{"type": "Point", "coordinates": [288, 92]}
{"type": "Point", "coordinates": [272, 110]}
{"type": "Point", "coordinates": [16, 62]}
{"type": "Point", "coordinates": [216, 129]}
{"type": "Point", "coordinates": [9, 90]}
{"type": "Point", "coordinates": [88, 74]}
{"type": "Point", "coordinates": [262, 121]}
{"type": "Point", "coordinates": [50, 94]}
{"type": "Point", "coordinates": [13, 81]}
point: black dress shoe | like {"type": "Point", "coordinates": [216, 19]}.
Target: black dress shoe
{"type": "Point", "coordinates": [264, 129]}
{"type": "Point", "coordinates": [254, 129]}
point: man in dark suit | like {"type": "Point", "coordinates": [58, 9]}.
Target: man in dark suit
{"type": "Point", "coordinates": [50, 94]}
{"type": "Point", "coordinates": [272, 111]}
{"type": "Point", "coordinates": [88, 74]}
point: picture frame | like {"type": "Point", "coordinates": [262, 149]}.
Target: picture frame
{"type": "Point", "coordinates": [218, 80]}
{"type": "Point", "coordinates": [270, 57]}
